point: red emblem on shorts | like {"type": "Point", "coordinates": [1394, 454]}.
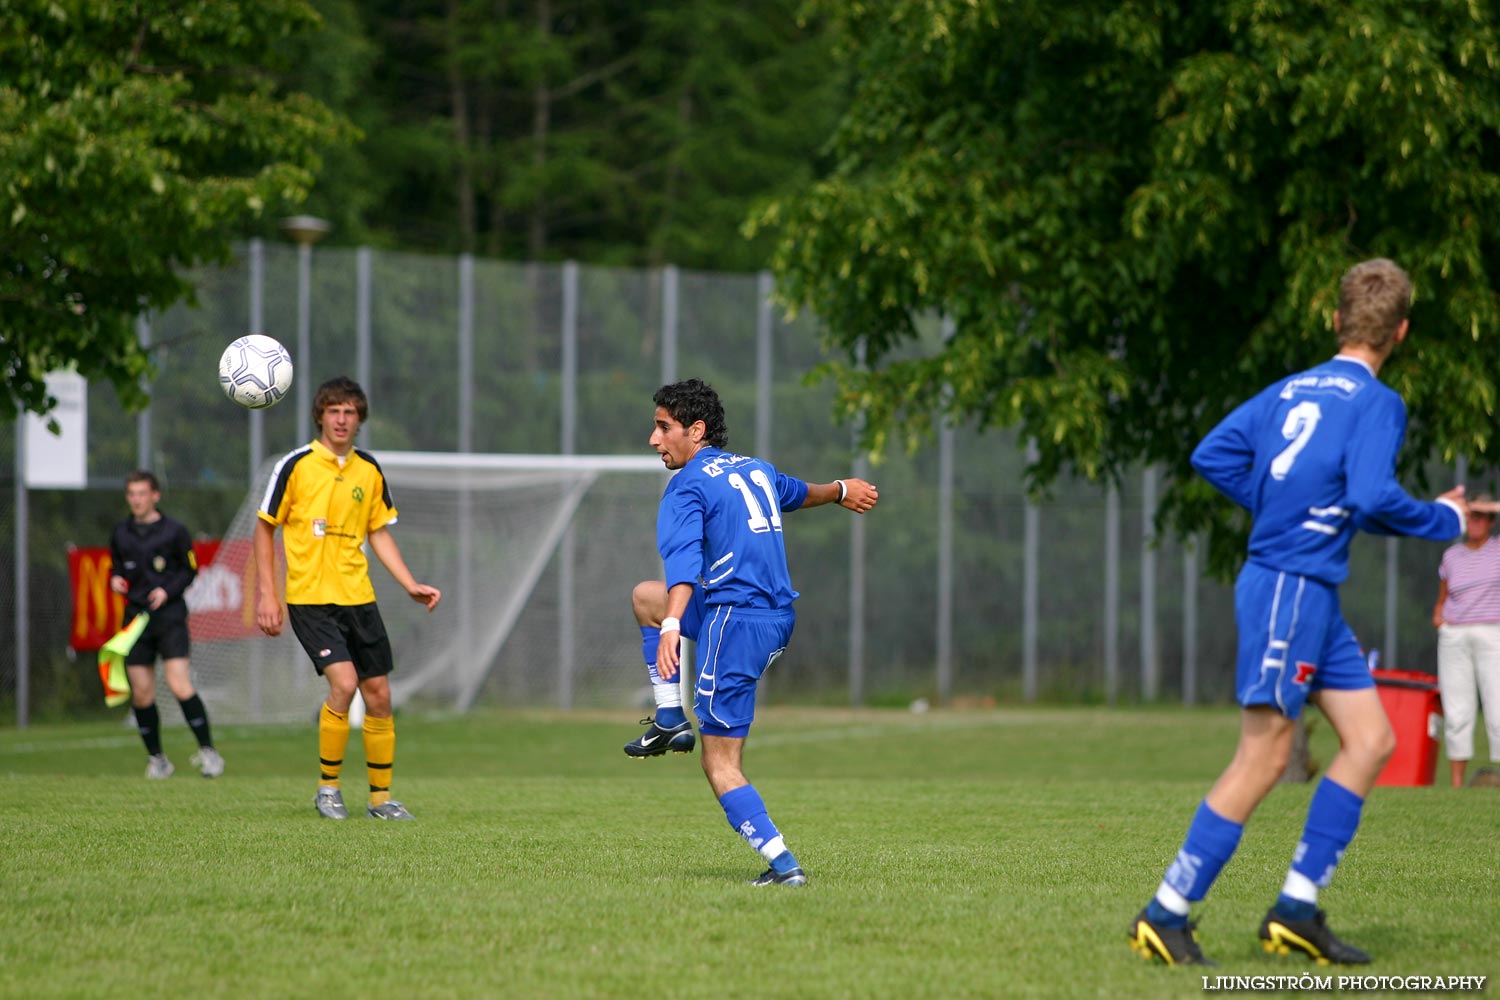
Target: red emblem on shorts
{"type": "Point", "coordinates": [1304, 672]}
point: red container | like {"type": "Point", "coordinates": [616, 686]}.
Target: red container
{"type": "Point", "coordinates": [1416, 712]}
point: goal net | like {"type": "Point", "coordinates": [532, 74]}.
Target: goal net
{"type": "Point", "coordinates": [535, 555]}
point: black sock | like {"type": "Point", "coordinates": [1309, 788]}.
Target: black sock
{"type": "Point", "coordinates": [148, 721]}
{"type": "Point", "coordinates": [197, 717]}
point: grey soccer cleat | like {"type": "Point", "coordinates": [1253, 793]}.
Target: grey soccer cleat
{"type": "Point", "coordinates": [158, 767]}
{"type": "Point", "coordinates": [330, 803]}
{"type": "Point", "coordinates": [792, 876]}
{"type": "Point", "coordinates": [389, 809]}
{"type": "Point", "coordinates": [208, 762]}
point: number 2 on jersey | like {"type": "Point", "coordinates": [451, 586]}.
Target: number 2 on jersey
{"type": "Point", "coordinates": [758, 521]}
{"type": "Point", "coordinates": [1301, 421]}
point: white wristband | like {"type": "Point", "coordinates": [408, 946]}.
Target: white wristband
{"type": "Point", "coordinates": [671, 625]}
{"type": "Point", "coordinates": [843, 489]}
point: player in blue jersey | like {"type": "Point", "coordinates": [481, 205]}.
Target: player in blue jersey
{"type": "Point", "coordinates": [669, 729]}
{"type": "Point", "coordinates": [1313, 458]}
{"type": "Point", "coordinates": [719, 532]}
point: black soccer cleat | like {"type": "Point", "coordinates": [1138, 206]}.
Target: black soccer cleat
{"type": "Point", "coordinates": [792, 876]}
{"type": "Point", "coordinates": [656, 741]}
{"type": "Point", "coordinates": [1172, 945]}
{"type": "Point", "coordinates": [1281, 936]}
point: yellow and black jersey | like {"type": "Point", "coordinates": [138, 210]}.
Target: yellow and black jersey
{"type": "Point", "coordinates": [326, 509]}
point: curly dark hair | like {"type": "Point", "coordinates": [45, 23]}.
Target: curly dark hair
{"type": "Point", "coordinates": [692, 400]}
{"type": "Point", "coordinates": [339, 389]}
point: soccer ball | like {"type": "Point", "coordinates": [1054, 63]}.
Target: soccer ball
{"type": "Point", "coordinates": [255, 371]}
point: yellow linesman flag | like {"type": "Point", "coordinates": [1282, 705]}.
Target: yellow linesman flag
{"type": "Point", "coordinates": [112, 660]}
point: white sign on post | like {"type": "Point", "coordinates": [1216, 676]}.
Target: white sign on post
{"type": "Point", "coordinates": [60, 461]}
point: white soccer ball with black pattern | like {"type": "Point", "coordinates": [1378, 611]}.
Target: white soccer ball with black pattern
{"type": "Point", "coordinates": [255, 371]}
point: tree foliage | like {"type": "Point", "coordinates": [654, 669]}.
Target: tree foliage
{"type": "Point", "coordinates": [601, 130]}
{"type": "Point", "coordinates": [1136, 214]}
{"type": "Point", "coordinates": [136, 140]}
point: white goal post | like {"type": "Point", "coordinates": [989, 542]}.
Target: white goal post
{"type": "Point", "coordinates": [535, 555]}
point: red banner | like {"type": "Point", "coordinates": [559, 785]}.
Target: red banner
{"type": "Point", "coordinates": [221, 601]}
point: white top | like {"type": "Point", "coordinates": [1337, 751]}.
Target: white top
{"type": "Point", "coordinates": [1473, 577]}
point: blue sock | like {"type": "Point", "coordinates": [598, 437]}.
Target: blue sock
{"type": "Point", "coordinates": [1332, 819]}
{"type": "Point", "coordinates": [667, 716]}
{"type": "Point", "coordinates": [747, 817]}
{"type": "Point", "coordinates": [1163, 917]}
{"type": "Point", "coordinates": [1210, 843]}
{"type": "Point", "coordinates": [650, 641]}
{"type": "Point", "coordinates": [1294, 909]}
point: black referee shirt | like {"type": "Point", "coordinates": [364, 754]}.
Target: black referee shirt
{"type": "Point", "coordinates": [159, 554]}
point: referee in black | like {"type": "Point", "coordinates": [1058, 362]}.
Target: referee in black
{"type": "Point", "coordinates": [152, 566]}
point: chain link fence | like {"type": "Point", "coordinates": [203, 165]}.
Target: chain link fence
{"type": "Point", "coordinates": [955, 590]}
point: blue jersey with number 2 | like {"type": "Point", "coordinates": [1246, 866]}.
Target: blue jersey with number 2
{"type": "Point", "coordinates": [719, 528]}
{"type": "Point", "coordinates": [1313, 458]}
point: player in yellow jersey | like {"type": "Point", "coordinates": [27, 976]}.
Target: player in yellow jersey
{"type": "Point", "coordinates": [328, 497]}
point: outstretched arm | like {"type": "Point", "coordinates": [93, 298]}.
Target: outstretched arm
{"type": "Point", "coordinates": [385, 548]}
{"type": "Point", "coordinates": [851, 494]}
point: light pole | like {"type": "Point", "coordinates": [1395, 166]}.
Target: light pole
{"type": "Point", "coordinates": [304, 230]}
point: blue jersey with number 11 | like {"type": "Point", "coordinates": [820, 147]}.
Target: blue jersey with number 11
{"type": "Point", "coordinates": [719, 527]}
{"type": "Point", "coordinates": [1313, 458]}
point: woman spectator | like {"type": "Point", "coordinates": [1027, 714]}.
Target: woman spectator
{"type": "Point", "coordinates": [1467, 617]}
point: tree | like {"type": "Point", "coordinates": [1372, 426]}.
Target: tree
{"type": "Point", "coordinates": [602, 130]}
{"type": "Point", "coordinates": [1136, 215]}
{"type": "Point", "coordinates": [135, 141]}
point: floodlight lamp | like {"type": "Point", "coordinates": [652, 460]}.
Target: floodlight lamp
{"type": "Point", "coordinates": [305, 230]}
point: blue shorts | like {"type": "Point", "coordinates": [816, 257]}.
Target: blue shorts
{"type": "Point", "coordinates": [1292, 641]}
{"type": "Point", "coordinates": [692, 618]}
{"type": "Point", "coordinates": [737, 646]}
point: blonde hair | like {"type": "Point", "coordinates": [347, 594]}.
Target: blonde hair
{"type": "Point", "coordinates": [1374, 297]}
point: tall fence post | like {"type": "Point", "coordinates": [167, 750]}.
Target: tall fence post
{"type": "Point", "coordinates": [143, 419]}
{"type": "Point", "coordinates": [947, 438]}
{"type": "Point", "coordinates": [23, 583]}
{"type": "Point", "coordinates": [304, 342]}
{"type": "Point", "coordinates": [257, 418]}
{"type": "Point", "coordinates": [569, 446]}
{"type": "Point", "coordinates": [1388, 656]}
{"type": "Point", "coordinates": [765, 287]}
{"type": "Point", "coordinates": [466, 445]}
{"type": "Point", "coordinates": [1190, 620]}
{"type": "Point", "coordinates": [1030, 588]}
{"type": "Point", "coordinates": [363, 294]}
{"type": "Point", "coordinates": [1112, 592]}
{"type": "Point", "coordinates": [857, 565]}
{"type": "Point", "coordinates": [669, 282]}
{"type": "Point", "coordinates": [1150, 661]}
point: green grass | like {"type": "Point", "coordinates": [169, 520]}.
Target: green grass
{"type": "Point", "coordinates": [951, 854]}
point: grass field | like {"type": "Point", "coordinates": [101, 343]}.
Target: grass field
{"type": "Point", "coordinates": [991, 854]}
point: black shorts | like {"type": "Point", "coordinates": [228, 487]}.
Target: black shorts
{"type": "Point", "coordinates": [333, 633]}
{"type": "Point", "coordinates": [165, 635]}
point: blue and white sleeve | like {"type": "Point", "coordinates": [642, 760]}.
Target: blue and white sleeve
{"type": "Point", "coordinates": [1379, 505]}
{"type": "Point", "coordinates": [679, 536]}
{"type": "Point", "coordinates": [1226, 456]}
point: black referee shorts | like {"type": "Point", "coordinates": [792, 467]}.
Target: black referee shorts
{"type": "Point", "coordinates": [333, 633]}
{"type": "Point", "coordinates": [165, 635]}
